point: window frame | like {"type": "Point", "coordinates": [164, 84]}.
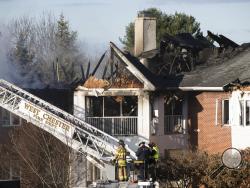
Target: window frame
{"type": "Point", "coordinates": [11, 117]}
{"type": "Point", "coordinates": [223, 112]}
{"type": "Point", "coordinates": [244, 100]}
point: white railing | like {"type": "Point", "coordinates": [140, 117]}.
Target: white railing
{"type": "Point", "coordinates": [173, 124]}
{"type": "Point", "coordinates": [118, 126]}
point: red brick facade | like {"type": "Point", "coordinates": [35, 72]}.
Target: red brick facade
{"type": "Point", "coordinates": [204, 133]}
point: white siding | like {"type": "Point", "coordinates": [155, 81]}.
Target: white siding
{"type": "Point", "coordinates": [239, 133]}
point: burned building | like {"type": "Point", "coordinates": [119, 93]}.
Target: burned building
{"type": "Point", "coordinates": [176, 93]}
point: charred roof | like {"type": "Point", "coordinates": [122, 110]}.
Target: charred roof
{"type": "Point", "coordinates": [222, 66]}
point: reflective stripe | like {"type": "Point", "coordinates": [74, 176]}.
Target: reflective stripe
{"type": "Point", "coordinates": [156, 156]}
{"type": "Point", "coordinates": [122, 162]}
{"type": "Point", "coordinates": [138, 162]}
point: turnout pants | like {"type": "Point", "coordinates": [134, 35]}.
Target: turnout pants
{"type": "Point", "coordinates": [122, 173]}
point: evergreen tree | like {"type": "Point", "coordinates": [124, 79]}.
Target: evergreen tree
{"type": "Point", "coordinates": [66, 51]}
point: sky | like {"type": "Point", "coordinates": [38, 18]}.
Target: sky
{"type": "Point", "coordinates": [100, 21]}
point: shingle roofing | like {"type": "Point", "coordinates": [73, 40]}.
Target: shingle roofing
{"type": "Point", "coordinates": [208, 75]}
{"type": "Point", "coordinates": [219, 74]}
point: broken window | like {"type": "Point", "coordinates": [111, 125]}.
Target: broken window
{"type": "Point", "coordinates": [173, 108]}
{"type": "Point", "coordinates": [110, 106]}
{"type": "Point", "coordinates": [129, 106]}
{"type": "Point", "coordinates": [94, 106]}
{"type": "Point", "coordinates": [173, 120]}
{"type": "Point", "coordinates": [115, 115]}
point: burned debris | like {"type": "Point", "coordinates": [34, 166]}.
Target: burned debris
{"type": "Point", "coordinates": [223, 41]}
{"type": "Point", "coordinates": [183, 52]}
{"type": "Point", "coordinates": [179, 61]}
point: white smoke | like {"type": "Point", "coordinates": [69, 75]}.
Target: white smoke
{"type": "Point", "coordinates": [10, 71]}
{"type": "Point", "coordinates": [31, 55]}
{"type": "Point", "coordinates": [7, 70]}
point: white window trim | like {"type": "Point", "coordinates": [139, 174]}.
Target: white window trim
{"type": "Point", "coordinates": [244, 112]}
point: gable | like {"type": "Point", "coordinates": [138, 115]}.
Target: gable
{"type": "Point", "coordinates": [135, 67]}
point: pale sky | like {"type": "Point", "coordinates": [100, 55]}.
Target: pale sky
{"type": "Point", "coordinates": [100, 21]}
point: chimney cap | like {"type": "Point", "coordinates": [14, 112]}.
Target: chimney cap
{"type": "Point", "coordinates": [145, 16]}
{"type": "Point", "coordinates": [141, 15]}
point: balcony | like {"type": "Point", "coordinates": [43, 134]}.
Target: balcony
{"type": "Point", "coordinates": [173, 124]}
{"type": "Point", "coordinates": [116, 126]}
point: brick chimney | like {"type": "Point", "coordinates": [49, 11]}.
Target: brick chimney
{"type": "Point", "coordinates": [145, 34]}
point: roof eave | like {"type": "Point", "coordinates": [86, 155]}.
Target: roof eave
{"type": "Point", "coordinates": [200, 88]}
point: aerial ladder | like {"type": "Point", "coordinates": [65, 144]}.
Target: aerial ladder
{"type": "Point", "coordinates": [97, 145]}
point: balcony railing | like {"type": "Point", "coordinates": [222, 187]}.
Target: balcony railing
{"type": "Point", "coordinates": [117, 126]}
{"type": "Point", "coordinates": [173, 124]}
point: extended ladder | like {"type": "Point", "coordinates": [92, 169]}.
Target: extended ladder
{"type": "Point", "coordinates": [69, 129]}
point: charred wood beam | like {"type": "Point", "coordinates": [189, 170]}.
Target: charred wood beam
{"type": "Point", "coordinates": [83, 75]}
{"type": "Point", "coordinates": [54, 70]}
{"type": "Point", "coordinates": [112, 75]}
{"type": "Point", "coordinates": [75, 83]}
{"type": "Point", "coordinates": [111, 65]}
{"type": "Point", "coordinates": [98, 64]}
{"type": "Point", "coordinates": [227, 42]}
{"type": "Point", "coordinates": [65, 72]}
{"type": "Point", "coordinates": [223, 41]}
{"type": "Point", "coordinates": [105, 69]}
{"type": "Point", "coordinates": [215, 38]}
{"type": "Point", "coordinates": [87, 72]}
{"type": "Point", "coordinates": [187, 41]}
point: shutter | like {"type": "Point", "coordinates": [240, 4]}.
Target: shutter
{"type": "Point", "coordinates": [216, 112]}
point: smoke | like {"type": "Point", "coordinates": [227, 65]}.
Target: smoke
{"type": "Point", "coordinates": [7, 70]}
{"type": "Point", "coordinates": [34, 53]}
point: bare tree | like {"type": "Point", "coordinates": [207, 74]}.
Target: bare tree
{"type": "Point", "coordinates": [44, 160]}
{"type": "Point", "coordinates": [45, 51]}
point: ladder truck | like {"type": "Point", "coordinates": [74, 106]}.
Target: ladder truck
{"type": "Point", "coordinates": [97, 145]}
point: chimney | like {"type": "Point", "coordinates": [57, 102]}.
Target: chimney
{"type": "Point", "coordinates": [145, 34]}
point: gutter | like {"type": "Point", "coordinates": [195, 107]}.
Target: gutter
{"type": "Point", "coordinates": [193, 88]}
{"type": "Point", "coordinates": [201, 88]}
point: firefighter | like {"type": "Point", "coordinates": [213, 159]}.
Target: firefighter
{"type": "Point", "coordinates": [154, 159]}
{"type": "Point", "coordinates": [143, 154]}
{"type": "Point", "coordinates": [155, 154]}
{"type": "Point", "coordinates": [120, 159]}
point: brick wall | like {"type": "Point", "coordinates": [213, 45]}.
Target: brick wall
{"type": "Point", "coordinates": [204, 133]}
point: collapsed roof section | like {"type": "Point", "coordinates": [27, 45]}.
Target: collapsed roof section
{"type": "Point", "coordinates": [122, 70]}
{"type": "Point", "coordinates": [219, 68]}
{"type": "Point", "coordinates": [135, 67]}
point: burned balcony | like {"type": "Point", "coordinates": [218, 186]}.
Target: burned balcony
{"type": "Point", "coordinates": [173, 118]}
{"type": "Point", "coordinates": [115, 115]}
{"type": "Point", "coordinates": [173, 124]}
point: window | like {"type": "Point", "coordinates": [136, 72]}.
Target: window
{"type": "Point", "coordinates": [225, 111]}
{"type": "Point", "coordinates": [245, 112]}
{"type": "Point", "coordinates": [4, 118]}
{"type": "Point", "coordinates": [111, 106]}
{"type": "Point", "coordinates": [8, 119]}
{"type": "Point", "coordinates": [173, 108]}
